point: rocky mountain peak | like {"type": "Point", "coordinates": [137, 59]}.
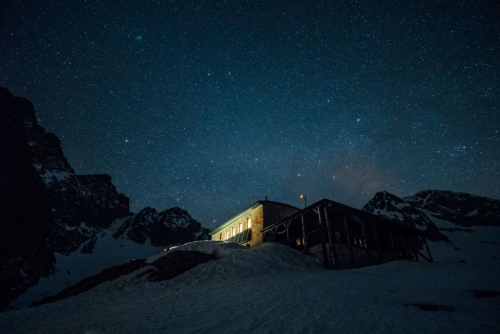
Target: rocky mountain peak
{"type": "Point", "coordinates": [19, 110]}
{"type": "Point", "coordinates": [48, 209]}
{"type": "Point", "coordinates": [462, 209]}
{"type": "Point", "coordinates": [404, 212]}
{"type": "Point", "coordinates": [395, 208]}
{"type": "Point", "coordinates": [456, 208]}
{"type": "Point", "coordinates": [26, 251]}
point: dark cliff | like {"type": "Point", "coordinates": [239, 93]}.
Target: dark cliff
{"type": "Point", "coordinates": [45, 208]}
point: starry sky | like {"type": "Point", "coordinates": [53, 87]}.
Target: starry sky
{"type": "Point", "coordinates": [212, 105]}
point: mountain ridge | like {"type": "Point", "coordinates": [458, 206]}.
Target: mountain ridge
{"type": "Point", "coordinates": [427, 207]}
{"type": "Point", "coordinates": [58, 227]}
{"type": "Point", "coordinates": [49, 212]}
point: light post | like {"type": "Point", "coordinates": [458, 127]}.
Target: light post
{"type": "Point", "coordinates": [305, 199]}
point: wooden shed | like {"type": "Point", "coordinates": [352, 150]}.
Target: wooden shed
{"type": "Point", "coordinates": [343, 237]}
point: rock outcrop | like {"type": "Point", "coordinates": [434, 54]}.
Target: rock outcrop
{"type": "Point", "coordinates": [461, 209]}
{"type": "Point", "coordinates": [47, 209]}
{"type": "Point", "coordinates": [164, 268]}
{"type": "Point", "coordinates": [422, 210]}
{"type": "Point", "coordinates": [26, 241]}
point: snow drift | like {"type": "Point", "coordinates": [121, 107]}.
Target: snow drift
{"type": "Point", "coordinates": [275, 289]}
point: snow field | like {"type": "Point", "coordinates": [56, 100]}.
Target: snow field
{"type": "Point", "coordinates": [274, 289]}
{"type": "Point", "coordinates": [77, 266]}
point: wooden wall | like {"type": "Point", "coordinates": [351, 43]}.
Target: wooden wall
{"type": "Point", "coordinates": [343, 237]}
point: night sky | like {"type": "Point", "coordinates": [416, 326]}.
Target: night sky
{"type": "Point", "coordinates": [212, 105]}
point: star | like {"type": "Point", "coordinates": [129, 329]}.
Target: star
{"type": "Point", "coordinates": [363, 112]}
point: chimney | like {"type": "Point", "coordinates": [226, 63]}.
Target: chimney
{"type": "Point", "coordinates": [266, 198]}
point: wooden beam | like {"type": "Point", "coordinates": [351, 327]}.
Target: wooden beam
{"type": "Point", "coordinates": [304, 233]}
{"type": "Point", "coordinates": [365, 241]}
{"type": "Point", "coordinates": [333, 256]}
{"type": "Point", "coordinates": [392, 242]}
{"type": "Point", "coordinates": [406, 238]}
{"type": "Point", "coordinates": [428, 250]}
{"type": "Point", "coordinates": [272, 232]}
{"type": "Point", "coordinates": [377, 241]}
{"type": "Point", "coordinates": [351, 252]}
{"type": "Point", "coordinates": [425, 257]}
{"type": "Point", "coordinates": [323, 243]}
{"type": "Point", "coordinates": [287, 225]}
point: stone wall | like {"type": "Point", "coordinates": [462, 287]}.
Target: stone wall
{"type": "Point", "coordinates": [275, 212]}
{"type": "Point", "coordinates": [265, 214]}
{"type": "Point", "coordinates": [256, 216]}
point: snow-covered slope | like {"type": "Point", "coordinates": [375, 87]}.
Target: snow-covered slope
{"type": "Point", "coordinates": [275, 289]}
{"type": "Point", "coordinates": [461, 209]}
{"type": "Point", "coordinates": [436, 211]}
{"type": "Point", "coordinates": [236, 261]}
{"type": "Point", "coordinates": [72, 268]}
{"type": "Point", "coordinates": [233, 261]}
{"type": "Point", "coordinates": [58, 227]}
{"type": "Point", "coordinates": [134, 237]}
{"type": "Point", "coordinates": [396, 209]}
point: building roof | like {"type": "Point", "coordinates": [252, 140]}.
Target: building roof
{"type": "Point", "coordinates": [340, 206]}
{"type": "Point", "coordinates": [245, 212]}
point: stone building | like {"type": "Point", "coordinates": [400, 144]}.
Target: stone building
{"type": "Point", "coordinates": [344, 237]}
{"type": "Point", "coordinates": [340, 236]}
{"type": "Point", "coordinates": [245, 228]}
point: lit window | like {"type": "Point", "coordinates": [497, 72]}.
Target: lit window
{"type": "Point", "coordinates": [227, 234]}
{"type": "Point", "coordinates": [249, 222]}
{"type": "Point", "coordinates": [241, 227]}
{"type": "Point", "coordinates": [233, 231]}
{"type": "Point", "coordinates": [298, 242]}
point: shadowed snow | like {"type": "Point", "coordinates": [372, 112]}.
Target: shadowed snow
{"type": "Point", "coordinates": [275, 289]}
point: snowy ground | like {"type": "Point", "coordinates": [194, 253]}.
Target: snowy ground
{"type": "Point", "coordinates": [76, 266]}
{"type": "Point", "coordinates": [273, 289]}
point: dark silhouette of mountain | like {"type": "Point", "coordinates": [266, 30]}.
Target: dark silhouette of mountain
{"type": "Point", "coordinates": [421, 210]}
{"type": "Point", "coordinates": [26, 241]}
{"type": "Point", "coordinates": [462, 209]}
{"type": "Point", "coordinates": [46, 209]}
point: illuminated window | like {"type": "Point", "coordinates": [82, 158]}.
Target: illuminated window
{"type": "Point", "coordinates": [227, 234]}
{"type": "Point", "coordinates": [241, 227]}
{"type": "Point", "coordinates": [297, 242]}
{"type": "Point", "coordinates": [233, 231]}
{"type": "Point", "coordinates": [249, 222]}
